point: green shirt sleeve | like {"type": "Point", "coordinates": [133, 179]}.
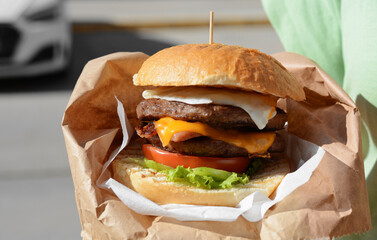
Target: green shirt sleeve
{"type": "Point", "coordinates": [310, 28]}
{"type": "Point", "coordinates": [341, 36]}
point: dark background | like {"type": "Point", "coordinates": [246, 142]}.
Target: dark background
{"type": "Point", "coordinates": [86, 46]}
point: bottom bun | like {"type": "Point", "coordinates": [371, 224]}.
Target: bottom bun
{"type": "Point", "coordinates": [154, 185]}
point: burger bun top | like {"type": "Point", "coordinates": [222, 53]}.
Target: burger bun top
{"type": "Point", "coordinates": [219, 65]}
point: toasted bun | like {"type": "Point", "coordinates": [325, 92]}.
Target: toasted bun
{"type": "Point", "coordinates": [154, 185]}
{"type": "Point", "coordinates": [219, 65]}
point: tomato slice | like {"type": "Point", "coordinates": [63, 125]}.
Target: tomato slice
{"type": "Point", "coordinates": [234, 164]}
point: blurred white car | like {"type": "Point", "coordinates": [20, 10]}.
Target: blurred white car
{"type": "Point", "coordinates": [35, 37]}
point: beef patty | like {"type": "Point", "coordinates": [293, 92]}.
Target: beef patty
{"type": "Point", "coordinates": [202, 146]}
{"type": "Point", "coordinates": [217, 116]}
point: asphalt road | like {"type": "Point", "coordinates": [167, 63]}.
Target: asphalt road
{"type": "Point", "coordinates": [86, 46]}
{"type": "Point", "coordinates": [36, 191]}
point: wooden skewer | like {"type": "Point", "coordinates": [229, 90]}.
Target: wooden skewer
{"type": "Point", "coordinates": [211, 28]}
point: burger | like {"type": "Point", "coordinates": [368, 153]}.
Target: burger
{"type": "Point", "coordinates": [209, 125]}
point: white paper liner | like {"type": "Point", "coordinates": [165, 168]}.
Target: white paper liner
{"type": "Point", "coordinates": [306, 155]}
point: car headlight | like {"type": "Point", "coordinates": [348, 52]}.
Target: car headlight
{"type": "Point", "coordinates": [46, 14]}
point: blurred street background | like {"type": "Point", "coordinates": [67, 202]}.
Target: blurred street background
{"type": "Point", "coordinates": [36, 190]}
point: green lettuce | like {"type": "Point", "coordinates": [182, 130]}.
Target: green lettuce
{"type": "Point", "coordinates": [201, 177]}
{"type": "Point", "coordinates": [208, 178]}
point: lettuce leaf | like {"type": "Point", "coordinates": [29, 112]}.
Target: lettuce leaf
{"type": "Point", "coordinates": [201, 177]}
{"type": "Point", "coordinates": [208, 178]}
{"type": "Point", "coordinates": [155, 165]}
{"type": "Point", "coordinates": [146, 163]}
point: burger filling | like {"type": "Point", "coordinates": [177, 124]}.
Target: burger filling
{"type": "Point", "coordinates": [205, 141]}
{"type": "Point", "coordinates": [215, 115]}
{"type": "Point", "coordinates": [201, 145]}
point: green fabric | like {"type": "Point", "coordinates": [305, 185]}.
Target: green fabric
{"type": "Point", "coordinates": [341, 36]}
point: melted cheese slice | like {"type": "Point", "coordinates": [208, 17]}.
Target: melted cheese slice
{"type": "Point", "coordinates": [260, 108]}
{"type": "Point", "coordinates": [253, 142]}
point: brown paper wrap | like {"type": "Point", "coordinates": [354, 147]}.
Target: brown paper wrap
{"type": "Point", "coordinates": [332, 203]}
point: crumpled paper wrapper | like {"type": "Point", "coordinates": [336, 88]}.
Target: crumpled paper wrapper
{"type": "Point", "coordinates": [303, 156]}
{"type": "Point", "coordinates": [332, 203]}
